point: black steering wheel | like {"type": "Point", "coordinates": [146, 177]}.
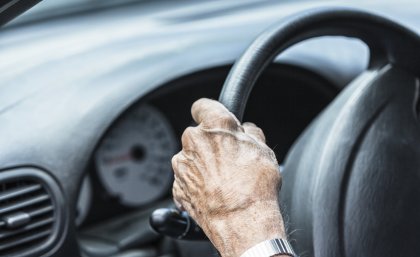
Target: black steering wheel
{"type": "Point", "coordinates": [352, 180]}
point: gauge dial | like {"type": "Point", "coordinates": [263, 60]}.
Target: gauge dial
{"type": "Point", "coordinates": [134, 159]}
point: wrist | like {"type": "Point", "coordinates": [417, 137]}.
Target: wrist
{"type": "Point", "coordinates": [232, 234]}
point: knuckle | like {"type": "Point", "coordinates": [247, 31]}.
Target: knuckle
{"type": "Point", "coordinates": [174, 160]}
{"type": "Point", "coordinates": [227, 120]}
{"type": "Point", "coordinates": [187, 136]}
{"type": "Point", "coordinates": [249, 124]}
{"type": "Point", "coordinates": [200, 102]}
{"type": "Point", "coordinates": [189, 132]}
{"type": "Point", "coordinates": [200, 106]}
{"type": "Point", "coordinates": [270, 155]}
{"type": "Point", "coordinates": [259, 130]}
{"type": "Point", "coordinates": [175, 190]}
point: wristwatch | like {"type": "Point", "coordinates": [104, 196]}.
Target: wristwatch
{"type": "Point", "coordinates": [270, 248]}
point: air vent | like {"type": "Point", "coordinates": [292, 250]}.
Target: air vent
{"type": "Point", "coordinates": [29, 214]}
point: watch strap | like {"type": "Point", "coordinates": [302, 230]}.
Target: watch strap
{"type": "Point", "coordinates": [270, 248]}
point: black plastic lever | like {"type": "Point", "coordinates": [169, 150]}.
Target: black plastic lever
{"type": "Point", "coordinates": [176, 224]}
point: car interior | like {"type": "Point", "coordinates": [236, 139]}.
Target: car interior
{"type": "Point", "coordinates": [95, 96]}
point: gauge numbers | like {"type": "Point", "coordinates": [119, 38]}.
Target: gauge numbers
{"type": "Point", "coordinates": [134, 159]}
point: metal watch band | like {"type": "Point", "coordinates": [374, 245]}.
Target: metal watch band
{"type": "Point", "coordinates": [270, 248]}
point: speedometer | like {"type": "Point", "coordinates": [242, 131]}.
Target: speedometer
{"type": "Point", "coordinates": [134, 159]}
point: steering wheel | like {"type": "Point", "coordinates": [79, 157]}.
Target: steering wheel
{"type": "Point", "coordinates": [351, 183]}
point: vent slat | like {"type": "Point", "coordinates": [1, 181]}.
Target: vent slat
{"type": "Point", "coordinates": [4, 235]}
{"type": "Point", "coordinates": [23, 203]}
{"type": "Point", "coordinates": [40, 211]}
{"type": "Point", "coordinates": [9, 194]}
{"type": "Point", "coordinates": [7, 245]}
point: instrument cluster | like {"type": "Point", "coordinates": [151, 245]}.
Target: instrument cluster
{"type": "Point", "coordinates": [131, 167]}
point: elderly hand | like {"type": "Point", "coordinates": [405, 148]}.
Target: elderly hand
{"type": "Point", "coordinates": [227, 179]}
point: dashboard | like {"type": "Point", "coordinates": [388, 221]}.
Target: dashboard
{"type": "Point", "coordinates": [131, 166]}
{"type": "Point", "coordinates": [130, 170]}
{"type": "Point", "coordinates": [97, 102]}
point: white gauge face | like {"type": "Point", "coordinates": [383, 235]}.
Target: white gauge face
{"type": "Point", "coordinates": [134, 159]}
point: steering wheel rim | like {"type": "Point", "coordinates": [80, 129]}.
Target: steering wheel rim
{"type": "Point", "coordinates": [387, 41]}
{"type": "Point", "coordinates": [391, 62]}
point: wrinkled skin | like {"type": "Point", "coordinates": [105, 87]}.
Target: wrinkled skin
{"type": "Point", "coordinates": [227, 179]}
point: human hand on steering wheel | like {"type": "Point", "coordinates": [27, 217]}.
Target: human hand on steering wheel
{"type": "Point", "coordinates": [225, 175]}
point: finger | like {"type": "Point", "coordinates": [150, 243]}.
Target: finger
{"type": "Point", "coordinates": [185, 172]}
{"type": "Point", "coordinates": [176, 194]}
{"type": "Point", "coordinates": [182, 202]}
{"type": "Point", "coordinates": [212, 114]}
{"type": "Point", "coordinates": [187, 138]}
{"type": "Point", "coordinates": [174, 162]}
{"type": "Point", "coordinates": [254, 131]}
{"type": "Point", "coordinates": [179, 166]}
